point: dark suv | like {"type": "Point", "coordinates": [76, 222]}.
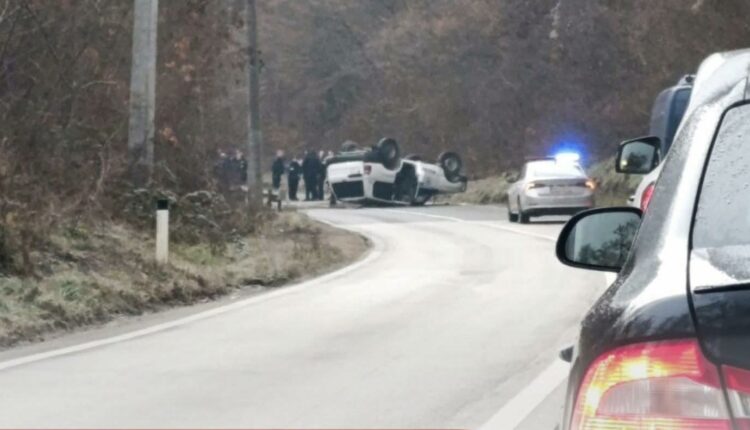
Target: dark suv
{"type": "Point", "coordinates": [667, 346]}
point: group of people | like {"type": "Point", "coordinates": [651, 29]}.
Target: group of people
{"type": "Point", "coordinates": [311, 168]}
{"type": "Point", "coordinates": [231, 170]}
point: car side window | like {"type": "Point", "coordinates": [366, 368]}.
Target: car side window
{"type": "Point", "coordinates": [721, 231]}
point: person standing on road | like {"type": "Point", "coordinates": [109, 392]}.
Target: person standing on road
{"type": "Point", "coordinates": [321, 175]}
{"type": "Point", "coordinates": [310, 171]}
{"type": "Point", "coordinates": [237, 170]}
{"type": "Point", "coordinates": [277, 170]}
{"type": "Point", "coordinates": [221, 171]}
{"type": "Point", "coordinates": [293, 173]}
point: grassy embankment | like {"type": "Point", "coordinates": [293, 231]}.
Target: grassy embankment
{"type": "Point", "coordinates": [93, 274]}
{"type": "Point", "coordinates": [613, 188]}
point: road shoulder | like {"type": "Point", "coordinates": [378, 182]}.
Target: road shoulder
{"type": "Point", "coordinates": [292, 249]}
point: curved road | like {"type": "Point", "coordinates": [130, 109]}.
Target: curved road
{"type": "Point", "coordinates": [452, 315]}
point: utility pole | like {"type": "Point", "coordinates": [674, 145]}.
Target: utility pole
{"type": "Point", "coordinates": [143, 92]}
{"type": "Point", "coordinates": [254, 142]}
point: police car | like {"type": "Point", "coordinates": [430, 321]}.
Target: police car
{"type": "Point", "coordinates": [380, 175]}
{"type": "Point", "coordinates": [550, 186]}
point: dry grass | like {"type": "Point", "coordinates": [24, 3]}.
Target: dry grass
{"type": "Point", "coordinates": [96, 273]}
{"type": "Point", "coordinates": [484, 191]}
{"type": "Point", "coordinates": [613, 188]}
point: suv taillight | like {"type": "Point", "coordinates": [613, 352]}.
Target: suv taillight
{"type": "Point", "coordinates": [738, 390]}
{"type": "Point", "coordinates": [662, 385]}
{"type": "Point", "coordinates": [646, 196]}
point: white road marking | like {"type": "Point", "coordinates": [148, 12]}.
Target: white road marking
{"type": "Point", "coordinates": [373, 254]}
{"type": "Point", "coordinates": [511, 414]}
{"type": "Point", "coordinates": [515, 411]}
{"type": "Point", "coordinates": [517, 231]}
{"type": "Point", "coordinates": [483, 223]}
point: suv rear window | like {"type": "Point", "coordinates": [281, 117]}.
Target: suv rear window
{"type": "Point", "coordinates": [721, 233]}
{"type": "Point", "coordinates": [679, 106]}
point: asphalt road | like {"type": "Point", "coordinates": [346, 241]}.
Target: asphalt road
{"type": "Point", "coordinates": [450, 319]}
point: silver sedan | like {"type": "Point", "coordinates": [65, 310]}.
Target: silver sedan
{"type": "Point", "coordinates": [549, 187]}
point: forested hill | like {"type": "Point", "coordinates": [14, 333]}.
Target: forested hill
{"type": "Point", "coordinates": [495, 79]}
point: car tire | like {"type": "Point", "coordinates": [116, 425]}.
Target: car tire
{"type": "Point", "coordinates": [511, 216]}
{"type": "Point", "coordinates": [452, 165]}
{"type": "Point", "coordinates": [523, 217]}
{"type": "Point", "coordinates": [389, 153]}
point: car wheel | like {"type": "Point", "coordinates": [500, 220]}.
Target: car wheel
{"type": "Point", "coordinates": [523, 217]}
{"type": "Point", "coordinates": [451, 164]}
{"type": "Point", "coordinates": [389, 153]}
{"type": "Point", "coordinates": [511, 216]}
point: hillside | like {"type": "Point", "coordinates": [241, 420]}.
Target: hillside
{"type": "Point", "coordinates": [496, 80]}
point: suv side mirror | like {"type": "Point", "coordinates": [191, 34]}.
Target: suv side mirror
{"type": "Point", "coordinates": [599, 239]}
{"type": "Point", "coordinates": [638, 156]}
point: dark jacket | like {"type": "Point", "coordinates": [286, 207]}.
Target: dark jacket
{"type": "Point", "coordinates": [294, 170]}
{"type": "Point", "coordinates": [311, 166]}
{"type": "Point", "coordinates": [236, 170]}
{"type": "Point", "coordinates": [278, 167]}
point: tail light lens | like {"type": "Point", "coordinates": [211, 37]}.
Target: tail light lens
{"type": "Point", "coordinates": [664, 385]}
{"type": "Point", "coordinates": [738, 390]}
{"type": "Point", "coordinates": [368, 169]}
{"type": "Point", "coordinates": [646, 197]}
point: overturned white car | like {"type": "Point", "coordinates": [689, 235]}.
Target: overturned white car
{"type": "Point", "coordinates": [380, 175]}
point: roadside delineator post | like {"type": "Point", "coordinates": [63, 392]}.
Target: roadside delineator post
{"type": "Point", "coordinates": [162, 231]}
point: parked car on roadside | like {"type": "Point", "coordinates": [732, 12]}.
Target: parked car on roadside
{"type": "Point", "coordinates": [666, 115]}
{"type": "Point", "coordinates": [667, 346]}
{"type": "Point", "coordinates": [380, 175]}
{"type": "Point", "coordinates": [549, 186]}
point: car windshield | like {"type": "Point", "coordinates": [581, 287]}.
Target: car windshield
{"type": "Point", "coordinates": [552, 169]}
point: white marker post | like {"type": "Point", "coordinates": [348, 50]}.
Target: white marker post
{"type": "Point", "coordinates": [162, 231]}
